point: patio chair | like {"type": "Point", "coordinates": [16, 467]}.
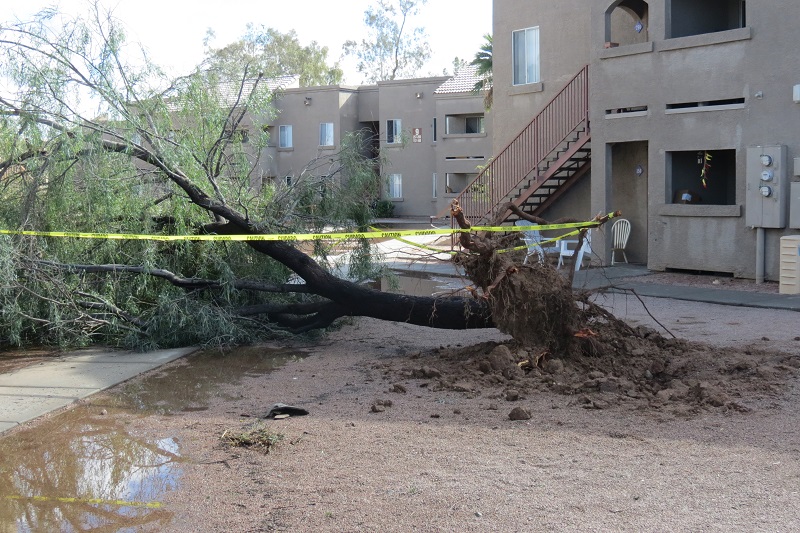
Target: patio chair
{"type": "Point", "coordinates": [533, 240]}
{"type": "Point", "coordinates": [567, 249]}
{"type": "Point", "coordinates": [620, 231]}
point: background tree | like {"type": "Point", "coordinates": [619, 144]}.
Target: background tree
{"type": "Point", "coordinates": [483, 62]}
{"type": "Point", "coordinates": [392, 49]}
{"type": "Point", "coordinates": [272, 53]}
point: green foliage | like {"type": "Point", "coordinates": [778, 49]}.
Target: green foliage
{"type": "Point", "coordinates": [391, 50]}
{"type": "Point", "coordinates": [383, 209]}
{"type": "Point", "coordinates": [483, 60]}
{"type": "Point", "coordinates": [92, 143]}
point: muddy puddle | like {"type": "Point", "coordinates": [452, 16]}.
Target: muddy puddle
{"type": "Point", "coordinates": [424, 285]}
{"type": "Point", "coordinates": [82, 470]}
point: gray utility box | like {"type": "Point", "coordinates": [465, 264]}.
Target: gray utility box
{"type": "Point", "coordinates": [767, 191]}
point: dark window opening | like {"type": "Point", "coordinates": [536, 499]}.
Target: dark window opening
{"type": "Point", "coordinates": [454, 157]}
{"type": "Point", "coordinates": [709, 103]}
{"type": "Point", "coordinates": [696, 17]}
{"type": "Point", "coordinates": [626, 110]}
{"type": "Point", "coordinates": [706, 177]}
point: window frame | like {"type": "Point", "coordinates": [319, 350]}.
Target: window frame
{"type": "Point", "coordinates": [395, 185]}
{"type": "Point", "coordinates": [532, 69]}
{"type": "Point", "coordinates": [326, 133]}
{"type": "Point", "coordinates": [394, 131]}
{"type": "Point", "coordinates": [685, 170]}
{"type": "Point", "coordinates": [281, 138]}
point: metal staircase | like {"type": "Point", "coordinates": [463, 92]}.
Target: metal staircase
{"type": "Point", "coordinates": [549, 156]}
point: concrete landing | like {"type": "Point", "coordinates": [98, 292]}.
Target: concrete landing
{"type": "Point", "coordinates": [36, 390]}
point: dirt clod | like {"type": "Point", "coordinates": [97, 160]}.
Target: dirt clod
{"type": "Point", "coordinates": [519, 413]}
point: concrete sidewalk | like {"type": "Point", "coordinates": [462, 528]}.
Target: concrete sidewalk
{"type": "Point", "coordinates": [36, 390]}
{"type": "Point", "coordinates": [610, 278]}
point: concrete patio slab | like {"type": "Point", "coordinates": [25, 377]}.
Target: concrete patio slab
{"type": "Point", "coordinates": [36, 390]}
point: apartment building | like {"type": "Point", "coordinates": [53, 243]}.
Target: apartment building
{"type": "Point", "coordinates": [432, 134]}
{"type": "Point", "coordinates": [683, 114]}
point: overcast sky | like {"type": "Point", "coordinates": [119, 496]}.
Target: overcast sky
{"type": "Point", "coordinates": [172, 30]}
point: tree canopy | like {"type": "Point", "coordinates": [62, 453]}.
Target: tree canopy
{"type": "Point", "coordinates": [483, 62]}
{"type": "Point", "coordinates": [271, 53]}
{"type": "Point", "coordinates": [392, 50]}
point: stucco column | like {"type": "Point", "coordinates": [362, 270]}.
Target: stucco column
{"type": "Point", "coordinates": [601, 197]}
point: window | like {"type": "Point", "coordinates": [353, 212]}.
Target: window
{"type": "Point", "coordinates": [705, 177]}
{"type": "Point", "coordinates": [464, 124]}
{"type": "Point", "coordinates": [434, 129]}
{"type": "Point", "coordinates": [525, 56]}
{"type": "Point", "coordinates": [434, 185]}
{"type": "Point", "coordinates": [395, 186]}
{"type": "Point", "coordinates": [457, 182]}
{"type": "Point", "coordinates": [285, 137]}
{"type": "Point", "coordinates": [326, 134]}
{"type": "Point", "coordinates": [474, 125]}
{"type": "Point", "coordinates": [394, 131]}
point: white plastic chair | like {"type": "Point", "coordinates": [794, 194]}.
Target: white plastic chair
{"type": "Point", "coordinates": [620, 231]}
{"type": "Point", "coordinates": [533, 240]}
{"type": "Point", "coordinates": [566, 251]}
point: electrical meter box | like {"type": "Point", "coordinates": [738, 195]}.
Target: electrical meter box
{"type": "Point", "coordinates": [767, 191]}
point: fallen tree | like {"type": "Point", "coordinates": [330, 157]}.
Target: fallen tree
{"type": "Point", "coordinates": [185, 159]}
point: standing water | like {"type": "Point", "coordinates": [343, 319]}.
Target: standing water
{"type": "Point", "coordinates": [83, 470]}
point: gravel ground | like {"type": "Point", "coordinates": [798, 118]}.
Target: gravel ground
{"type": "Point", "coordinates": [381, 451]}
{"type": "Point", "coordinates": [440, 460]}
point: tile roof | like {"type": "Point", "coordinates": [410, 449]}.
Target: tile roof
{"type": "Point", "coordinates": [463, 82]}
{"type": "Point", "coordinates": [229, 91]}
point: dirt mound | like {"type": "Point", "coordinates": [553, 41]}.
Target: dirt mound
{"type": "Point", "coordinates": [643, 371]}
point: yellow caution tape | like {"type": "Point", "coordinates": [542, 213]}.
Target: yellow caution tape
{"type": "Point", "coordinates": [291, 236]}
{"type": "Point", "coordinates": [418, 245]}
{"type": "Point", "coordinates": [96, 501]}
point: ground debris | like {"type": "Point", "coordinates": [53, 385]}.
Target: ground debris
{"type": "Point", "coordinates": [255, 435]}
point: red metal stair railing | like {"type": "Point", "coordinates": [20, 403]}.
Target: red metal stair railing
{"type": "Point", "coordinates": [565, 116]}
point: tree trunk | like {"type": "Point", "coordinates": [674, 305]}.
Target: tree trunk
{"type": "Point", "coordinates": [358, 300]}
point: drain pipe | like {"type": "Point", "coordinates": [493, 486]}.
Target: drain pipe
{"type": "Point", "coordinates": [760, 246]}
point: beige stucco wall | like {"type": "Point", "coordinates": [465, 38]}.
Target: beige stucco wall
{"type": "Point", "coordinates": [334, 104]}
{"type": "Point", "coordinates": [564, 33]}
{"type": "Point", "coordinates": [415, 161]}
{"type": "Point", "coordinates": [459, 153]}
{"type": "Point", "coordinates": [757, 63]}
